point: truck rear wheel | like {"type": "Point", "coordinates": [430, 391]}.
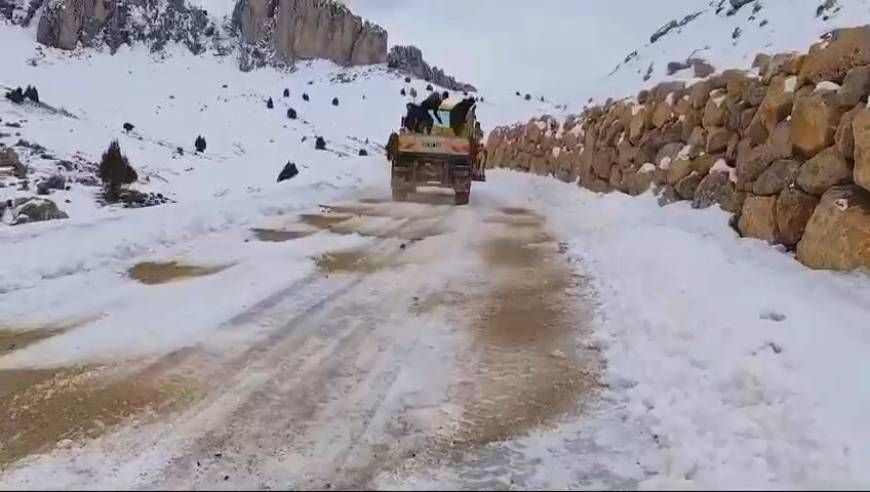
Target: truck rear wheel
{"type": "Point", "coordinates": [400, 195]}
{"type": "Point", "coordinates": [461, 198]}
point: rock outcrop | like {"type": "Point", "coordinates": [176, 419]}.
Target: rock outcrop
{"type": "Point", "coordinates": [788, 155]}
{"type": "Point", "coordinates": [838, 234]}
{"type": "Point", "coordinates": [409, 60]}
{"type": "Point", "coordinates": [65, 24]}
{"type": "Point", "coordinates": [284, 31]}
{"type": "Point", "coordinates": [36, 210]}
{"type": "Point", "coordinates": [270, 31]}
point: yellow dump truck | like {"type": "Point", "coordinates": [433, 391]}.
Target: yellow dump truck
{"type": "Point", "coordinates": [449, 156]}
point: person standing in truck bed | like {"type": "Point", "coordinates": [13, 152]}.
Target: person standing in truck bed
{"type": "Point", "coordinates": [433, 102]}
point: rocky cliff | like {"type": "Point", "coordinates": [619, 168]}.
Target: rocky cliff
{"type": "Point", "coordinates": [288, 30]}
{"type": "Point", "coordinates": [785, 148]}
{"type": "Point", "coordinates": [66, 23]}
{"type": "Point", "coordinates": [409, 60]}
{"type": "Point", "coordinates": [270, 31]}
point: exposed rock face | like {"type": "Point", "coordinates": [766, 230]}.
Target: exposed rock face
{"type": "Point", "coordinates": [409, 60]}
{"type": "Point", "coordinates": [66, 23]}
{"type": "Point", "coordinates": [780, 175]}
{"type": "Point", "coordinates": [838, 234]}
{"type": "Point", "coordinates": [813, 125]}
{"type": "Point", "coordinates": [861, 133]}
{"type": "Point", "coordinates": [37, 210]}
{"type": "Point", "coordinates": [846, 49]}
{"type": "Point", "coordinates": [19, 12]}
{"type": "Point", "coordinates": [9, 159]}
{"type": "Point", "coordinates": [793, 210]}
{"type": "Point", "coordinates": [288, 30]}
{"type": "Point", "coordinates": [758, 219]}
{"type": "Point", "coordinates": [711, 190]}
{"type": "Point", "coordinates": [823, 171]}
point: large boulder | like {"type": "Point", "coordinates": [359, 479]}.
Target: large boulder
{"type": "Point", "coordinates": [37, 210]}
{"type": "Point", "coordinates": [813, 125]}
{"type": "Point", "coordinates": [714, 189]}
{"type": "Point", "coordinates": [845, 49]}
{"type": "Point", "coordinates": [714, 110]}
{"type": "Point", "coordinates": [775, 107]}
{"type": "Point", "coordinates": [678, 170]}
{"type": "Point", "coordinates": [793, 210]}
{"type": "Point", "coordinates": [687, 186]}
{"type": "Point", "coordinates": [10, 161]}
{"type": "Point", "coordinates": [758, 218]}
{"type": "Point", "coordinates": [784, 64]}
{"type": "Point", "coordinates": [53, 182]}
{"type": "Point", "coordinates": [758, 159]}
{"type": "Point", "coordinates": [699, 93]}
{"type": "Point", "coordinates": [823, 171]}
{"type": "Point", "coordinates": [717, 139]}
{"type": "Point", "coordinates": [704, 163]}
{"type": "Point", "coordinates": [640, 122]}
{"type": "Point", "coordinates": [288, 172]}
{"type": "Point", "coordinates": [844, 138]}
{"type": "Point", "coordinates": [780, 175]}
{"type": "Point", "coordinates": [861, 134]}
{"type": "Point", "coordinates": [662, 114]}
{"type": "Point", "coordinates": [855, 87]}
{"type": "Point", "coordinates": [838, 233]}
{"type": "Point", "coordinates": [736, 83]}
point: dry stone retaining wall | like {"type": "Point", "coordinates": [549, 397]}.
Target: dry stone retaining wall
{"type": "Point", "coordinates": [785, 148]}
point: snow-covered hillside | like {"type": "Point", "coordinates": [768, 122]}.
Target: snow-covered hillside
{"type": "Point", "coordinates": [727, 34]}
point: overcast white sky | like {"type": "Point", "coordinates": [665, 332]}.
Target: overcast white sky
{"type": "Point", "coordinates": [540, 46]}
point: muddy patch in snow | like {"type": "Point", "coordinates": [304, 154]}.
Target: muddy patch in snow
{"type": "Point", "coordinates": [154, 273]}
{"type": "Point", "coordinates": [323, 221]}
{"type": "Point", "coordinates": [519, 220]}
{"type": "Point", "coordinates": [48, 408]}
{"type": "Point", "coordinates": [13, 339]}
{"type": "Point", "coordinates": [347, 261]}
{"type": "Point", "coordinates": [374, 201]}
{"type": "Point", "coordinates": [278, 235]}
{"type": "Point", "coordinates": [516, 211]}
{"type": "Point", "coordinates": [524, 369]}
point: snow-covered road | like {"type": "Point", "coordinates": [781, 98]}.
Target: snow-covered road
{"type": "Point", "coordinates": [419, 330]}
{"type": "Point", "coordinates": [543, 336]}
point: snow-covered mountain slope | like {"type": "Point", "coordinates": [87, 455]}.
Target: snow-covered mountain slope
{"type": "Point", "coordinates": [726, 34]}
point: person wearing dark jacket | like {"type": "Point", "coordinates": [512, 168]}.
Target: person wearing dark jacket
{"type": "Point", "coordinates": [433, 102]}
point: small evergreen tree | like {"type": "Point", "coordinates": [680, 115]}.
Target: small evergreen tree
{"type": "Point", "coordinates": [320, 143]}
{"type": "Point", "coordinates": [31, 93]}
{"type": "Point", "coordinates": [305, 97]}
{"type": "Point", "coordinates": [16, 96]}
{"type": "Point", "coordinates": [403, 92]}
{"type": "Point", "coordinates": [200, 144]}
{"type": "Point", "coordinates": [270, 104]}
{"type": "Point", "coordinates": [335, 101]}
{"type": "Point", "coordinates": [291, 113]}
{"type": "Point", "coordinates": [429, 87]}
{"type": "Point", "coordinates": [286, 92]}
{"type": "Point", "coordinates": [115, 171]}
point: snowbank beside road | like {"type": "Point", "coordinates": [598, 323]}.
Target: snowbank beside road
{"type": "Point", "coordinates": [746, 368]}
